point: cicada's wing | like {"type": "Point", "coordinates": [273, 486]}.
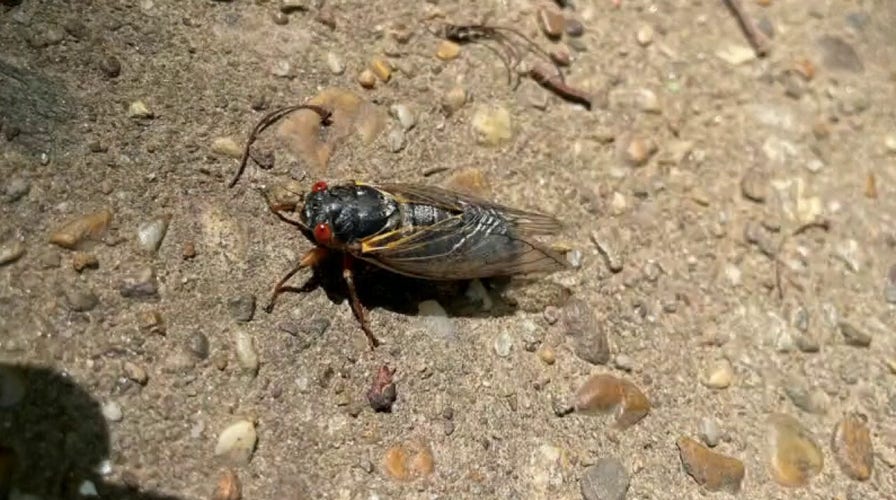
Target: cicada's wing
{"type": "Point", "coordinates": [476, 243]}
{"type": "Point", "coordinates": [524, 222]}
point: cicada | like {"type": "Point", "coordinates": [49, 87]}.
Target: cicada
{"type": "Point", "coordinates": [414, 230]}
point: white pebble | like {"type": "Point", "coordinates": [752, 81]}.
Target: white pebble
{"type": "Point", "coordinates": [112, 411]}
{"type": "Point", "coordinates": [245, 352]}
{"type": "Point", "coordinates": [396, 140]}
{"type": "Point", "coordinates": [150, 234]}
{"type": "Point", "coordinates": [237, 442]}
{"type": "Point", "coordinates": [709, 431]}
{"type": "Point", "coordinates": [88, 489]}
{"type": "Point", "coordinates": [335, 63]}
{"type": "Point", "coordinates": [404, 115]}
{"type": "Point", "coordinates": [436, 320]}
{"type": "Point", "coordinates": [503, 344]}
{"type": "Point", "coordinates": [477, 293]}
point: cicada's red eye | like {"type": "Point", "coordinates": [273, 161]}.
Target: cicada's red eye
{"type": "Point", "coordinates": [323, 234]}
{"type": "Point", "coordinates": [319, 186]}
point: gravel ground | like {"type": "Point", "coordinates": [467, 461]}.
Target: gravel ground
{"type": "Point", "coordinates": [730, 323]}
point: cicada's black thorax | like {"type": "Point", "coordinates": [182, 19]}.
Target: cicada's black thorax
{"type": "Point", "coordinates": [353, 211]}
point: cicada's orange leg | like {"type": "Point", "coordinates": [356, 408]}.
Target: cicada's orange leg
{"type": "Point", "coordinates": [310, 259]}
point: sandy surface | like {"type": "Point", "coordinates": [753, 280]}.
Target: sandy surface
{"type": "Point", "coordinates": [697, 283]}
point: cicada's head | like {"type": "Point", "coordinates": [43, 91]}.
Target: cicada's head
{"type": "Point", "coordinates": [322, 208]}
{"type": "Point", "coordinates": [339, 215]}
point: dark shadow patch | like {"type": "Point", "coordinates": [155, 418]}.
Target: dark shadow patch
{"type": "Point", "coordinates": [53, 437]}
{"type": "Point", "coordinates": [34, 110]}
{"type": "Point", "coordinates": [380, 288]}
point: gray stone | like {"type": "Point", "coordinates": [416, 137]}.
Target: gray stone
{"type": "Point", "coordinates": [605, 480]}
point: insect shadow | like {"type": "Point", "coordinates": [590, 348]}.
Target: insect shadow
{"type": "Point", "coordinates": [383, 289]}
{"type": "Point", "coordinates": [53, 438]}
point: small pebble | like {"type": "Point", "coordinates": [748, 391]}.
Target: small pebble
{"type": "Point", "coordinates": [245, 352]}
{"type": "Point", "coordinates": [150, 234]}
{"type": "Point", "coordinates": [837, 54]}
{"type": "Point", "coordinates": [719, 374]}
{"type": "Point", "coordinates": [602, 240]}
{"type": "Point", "coordinates": [141, 285]}
{"type": "Point", "coordinates": [590, 341]}
{"type": "Point", "coordinates": [711, 470]}
{"type": "Point", "coordinates": [404, 115]}
{"type": "Point", "coordinates": [282, 68]}
{"type": "Point", "coordinates": [151, 322]}
{"type": "Point", "coordinates": [188, 251]}
{"type": "Point", "coordinates": [604, 393]}
{"type": "Point", "coordinates": [80, 299]}
{"type": "Point", "coordinates": [736, 54]}
{"type": "Point", "coordinates": [139, 110]}
{"type": "Point", "coordinates": [110, 66]}
{"type": "Point", "coordinates": [228, 487]}
{"type": "Point", "coordinates": [636, 150]}
{"type": "Point", "coordinates": [82, 261]}
{"type": "Point", "coordinates": [279, 18]}
{"type": "Point", "coordinates": [198, 345]}
{"type": "Point", "coordinates": [645, 35]}
{"type": "Point", "coordinates": [853, 335]}
{"type": "Point", "coordinates": [15, 189]}
{"type": "Point", "coordinates": [436, 320]}
{"type": "Point", "coordinates": [709, 432]}
{"type": "Point", "coordinates": [890, 285]}
{"type": "Point", "coordinates": [409, 461]}
{"type": "Point", "coordinates": [178, 361]}
{"type": "Point", "coordinates": [335, 63]}
{"type": "Point", "coordinates": [237, 442]}
{"type": "Point", "coordinates": [447, 50]}
{"type": "Point", "coordinates": [74, 231]}
{"type": "Point", "coordinates": [112, 411]}
{"type": "Point", "coordinates": [851, 444]}
{"type": "Point", "coordinates": [135, 372]}
{"type": "Point", "coordinates": [11, 251]}
{"type": "Point", "coordinates": [227, 146]}
{"type": "Point", "coordinates": [551, 22]}
{"type": "Point", "coordinates": [793, 454]}
{"type": "Point", "coordinates": [605, 480]}
{"type": "Point", "coordinates": [547, 355]}
{"type": "Point", "coordinates": [503, 344]}
{"type": "Point", "coordinates": [396, 140]}
{"type": "Point", "coordinates": [454, 99]}
{"type": "Point", "coordinates": [573, 27]}
{"type": "Point", "coordinates": [754, 185]}
{"type": "Point", "coordinates": [381, 68]}
{"type": "Point", "coordinates": [242, 307]}
{"type": "Point", "coordinates": [291, 6]}
{"type": "Point", "coordinates": [367, 79]}
{"type": "Point", "coordinates": [814, 401]}
{"type": "Point", "coordinates": [492, 125]}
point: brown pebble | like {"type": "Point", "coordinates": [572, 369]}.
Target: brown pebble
{"type": "Point", "coordinates": [634, 407]}
{"type": "Point", "coordinates": [454, 99]}
{"type": "Point", "coordinates": [599, 394]}
{"type": "Point", "coordinates": [851, 443]}
{"type": "Point", "coordinates": [84, 260]}
{"type": "Point", "coordinates": [551, 22]}
{"type": "Point", "coordinates": [74, 231]}
{"type": "Point", "coordinates": [794, 457]}
{"type": "Point", "coordinates": [381, 68]}
{"type": "Point", "coordinates": [408, 462]}
{"type": "Point", "coordinates": [151, 322]}
{"type": "Point", "coordinates": [547, 355]}
{"type": "Point", "coordinates": [870, 186]}
{"type": "Point", "coordinates": [228, 487]}
{"type": "Point", "coordinates": [711, 470]}
{"type": "Point", "coordinates": [636, 150]}
{"type": "Point", "coordinates": [189, 250]}
{"type": "Point", "coordinates": [560, 56]}
{"type": "Point", "coordinates": [447, 50]}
